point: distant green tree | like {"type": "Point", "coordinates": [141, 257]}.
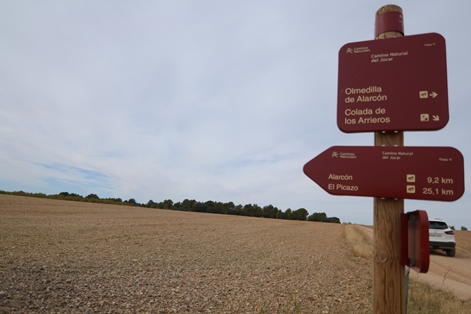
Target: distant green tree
{"type": "Point", "coordinates": [249, 210]}
{"type": "Point", "coordinates": [238, 210]}
{"type": "Point", "coordinates": [210, 207]}
{"type": "Point", "coordinates": [299, 214]}
{"type": "Point", "coordinates": [269, 211]}
{"type": "Point", "coordinates": [463, 228]}
{"type": "Point", "coordinates": [166, 204]}
{"type": "Point", "coordinates": [279, 214]}
{"type": "Point", "coordinates": [69, 195]}
{"type": "Point", "coordinates": [200, 207]}
{"type": "Point", "coordinates": [151, 204]}
{"type": "Point", "coordinates": [219, 208]}
{"type": "Point", "coordinates": [287, 214]}
{"type": "Point", "coordinates": [111, 200]}
{"type": "Point", "coordinates": [188, 205]}
{"type": "Point", "coordinates": [177, 206]}
{"type": "Point", "coordinates": [229, 208]}
{"type": "Point", "coordinates": [131, 201]}
{"type": "Point", "coordinates": [333, 220]}
{"type": "Point", "coordinates": [317, 217]}
{"type": "Point", "coordinates": [253, 210]}
{"type": "Point", "coordinates": [452, 227]}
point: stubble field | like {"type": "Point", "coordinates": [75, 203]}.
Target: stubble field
{"type": "Point", "coordinates": [72, 257]}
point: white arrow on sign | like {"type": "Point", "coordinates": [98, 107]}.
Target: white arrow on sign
{"type": "Point", "coordinates": [436, 118]}
{"type": "Point", "coordinates": [433, 94]}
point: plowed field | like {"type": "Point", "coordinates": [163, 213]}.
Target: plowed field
{"type": "Point", "coordinates": [73, 257]}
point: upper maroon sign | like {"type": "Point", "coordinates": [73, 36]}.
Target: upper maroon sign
{"type": "Point", "coordinates": [426, 173]}
{"type": "Point", "coordinates": [394, 84]}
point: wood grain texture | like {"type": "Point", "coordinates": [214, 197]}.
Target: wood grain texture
{"type": "Point", "coordinates": [388, 272]}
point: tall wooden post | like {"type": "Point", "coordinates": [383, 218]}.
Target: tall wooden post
{"type": "Point", "coordinates": [388, 272]}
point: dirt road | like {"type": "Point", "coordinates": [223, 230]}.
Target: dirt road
{"type": "Point", "coordinates": [448, 273]}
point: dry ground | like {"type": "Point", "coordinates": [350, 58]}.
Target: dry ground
{"type": "Point", "coordinates": [71, 257]}
{"type": "Point", "coordinates": [448, 273]}
{"type": "Point", "coordinates": [451, 273]}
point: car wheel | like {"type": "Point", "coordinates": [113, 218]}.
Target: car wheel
{"type": "Point", "coordinates": [451, 252]}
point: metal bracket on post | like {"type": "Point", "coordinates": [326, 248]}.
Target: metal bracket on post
{"type": "Point", "coordinates": [415, 250]}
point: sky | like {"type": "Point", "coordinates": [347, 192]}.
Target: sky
{"type": "Point", "coordinates": [206, 100]}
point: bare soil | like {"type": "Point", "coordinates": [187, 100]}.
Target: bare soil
{"type": "Point", "coordinates": [448, 273]}
{"type": "Point", "coordinates": [71, 257]}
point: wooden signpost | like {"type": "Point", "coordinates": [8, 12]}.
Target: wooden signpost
{"type": "Point", "coordinates": [387, 86]}
{"type": "Point", "coordinates": [388, 271]}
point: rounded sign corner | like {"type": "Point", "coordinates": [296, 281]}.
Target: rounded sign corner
{"type": "Point", "coordinates": [305, 170]}
{"type": "Point", "coordinates": [442, 126]}
{"type": "Point", "coordinates": [438, 35]}
{"type": "Point", "coordinates": [344, 48]}
{"type": "Point", "coordinates": [343, 129]}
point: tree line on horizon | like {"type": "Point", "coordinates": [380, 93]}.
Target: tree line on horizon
{"type": "Point", "coordinates": [228, 208]}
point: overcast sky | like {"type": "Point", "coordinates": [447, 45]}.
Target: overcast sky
{"type": "Point", "coordinates": [206, 100]}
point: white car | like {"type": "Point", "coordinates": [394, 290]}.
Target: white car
{"type": "Point", "coordinates": [441, 237]}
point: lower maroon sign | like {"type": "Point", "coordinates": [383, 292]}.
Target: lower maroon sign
{"type": "Point", "coordinates": [426, 173]}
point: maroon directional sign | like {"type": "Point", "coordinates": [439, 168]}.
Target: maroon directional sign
{"type": "Point", "coordinates": [426, 173]}
{"type": "Point", "coordinates": [394, 84]}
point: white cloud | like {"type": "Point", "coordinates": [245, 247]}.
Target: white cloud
{"type": "Point", "coordinates": [201, 100]}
